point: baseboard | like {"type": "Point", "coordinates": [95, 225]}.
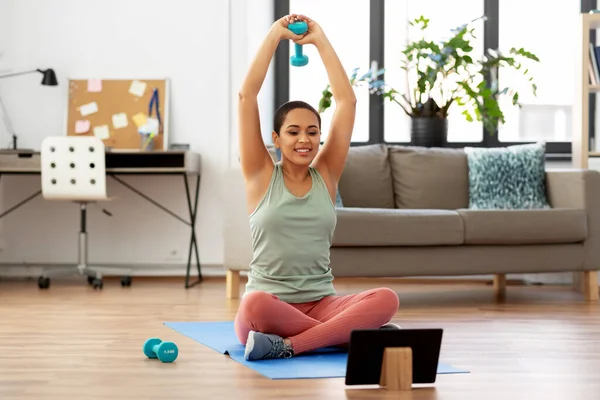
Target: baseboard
{"type": "Point", "coordinates": [33, 270]}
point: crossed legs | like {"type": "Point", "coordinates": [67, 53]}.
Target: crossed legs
{"type": "Point", "coordinates": [314, 325]}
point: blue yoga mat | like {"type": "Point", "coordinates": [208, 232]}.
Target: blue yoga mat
{"type": "Point", "coordinates": [322, 363]}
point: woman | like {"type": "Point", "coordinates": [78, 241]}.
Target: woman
{"type": "Point", "coordinates": [290, 305]}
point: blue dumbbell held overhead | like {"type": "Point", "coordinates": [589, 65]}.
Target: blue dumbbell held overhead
{"type": "Point", "coordinates": [165, 351]}
{"type": "Point", "coordinates": [298, 59]}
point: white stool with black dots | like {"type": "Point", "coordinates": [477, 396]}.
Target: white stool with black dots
{"type": "Point", "coordinates": [73, 169]}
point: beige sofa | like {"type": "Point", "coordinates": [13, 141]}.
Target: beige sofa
{"type": "Point", "coordinates": [406, 213]}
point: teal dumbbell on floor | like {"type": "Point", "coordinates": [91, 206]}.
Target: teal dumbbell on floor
{"type": "Point", "coordinates": [298, 59]}
{"type": "Point", "coordinates": [164, 351]}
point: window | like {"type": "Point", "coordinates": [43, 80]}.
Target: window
{"type": "Point", "coordinates": [380, 30]}
{"type": "Point", "coordinates": [307, 83]}
{"type": "Point", "coordinates": [546, 116]}
{"type": "Point", "coordinates": [443, 16]}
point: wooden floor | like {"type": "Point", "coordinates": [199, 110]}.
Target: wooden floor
{"type": "Point", "coordinates": [71, 342]}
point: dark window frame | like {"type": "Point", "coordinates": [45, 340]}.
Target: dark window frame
{"type": "Point", "coordinates": [554, 150]}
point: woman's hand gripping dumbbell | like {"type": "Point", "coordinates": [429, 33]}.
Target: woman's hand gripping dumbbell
{"type": "Point", "coordinates": [301, 30]}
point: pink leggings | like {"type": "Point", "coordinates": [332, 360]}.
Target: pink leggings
{"type": "Point", "coordinates": [317, 324]}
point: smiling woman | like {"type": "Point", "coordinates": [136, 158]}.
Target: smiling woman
{"type": "Point", "coordinates": [297, 129]}
{"type": "Point", "coordinates": [290, 305]}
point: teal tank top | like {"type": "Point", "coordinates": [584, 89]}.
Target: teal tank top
{"type": "Point", "coordinates": [291, 240]}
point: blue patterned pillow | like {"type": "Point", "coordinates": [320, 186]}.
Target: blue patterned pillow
{"type": "Point", "coordinates": [507, 178]}
{"type": "Point", "coordinates": [338, 199]}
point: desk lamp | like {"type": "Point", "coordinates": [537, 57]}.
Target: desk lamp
{"type": "Point", "coordinates": [48, 79]}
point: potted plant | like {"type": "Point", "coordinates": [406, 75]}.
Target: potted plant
{"type": "Point", "coordinates": [442, 73]}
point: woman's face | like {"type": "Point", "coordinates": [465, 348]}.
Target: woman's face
{"type": "Point", "coordinates": [299, 137]}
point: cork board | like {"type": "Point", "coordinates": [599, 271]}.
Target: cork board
{"type": "Point", "coordinates": [115, 109]}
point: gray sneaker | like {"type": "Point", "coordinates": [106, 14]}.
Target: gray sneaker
{"type": "Point", "coordinates": [260, 346]}
{"type": "Point", "coordinates": [389, 325]}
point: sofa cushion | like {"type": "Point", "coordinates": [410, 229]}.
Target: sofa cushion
{"type": "Point", "coordinates": [508, 227]}
{"type": "Point", "coordinates": [429, 178]}
{"type": "Point", "coordinates": [508, 177]}
{"type": "Point", "coordinates": [385, 227]}
{"type": "Point", "coordinates": [367, 178]}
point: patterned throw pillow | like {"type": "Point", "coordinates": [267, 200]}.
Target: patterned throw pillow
{"type": "Point", "coordinates": [338, 199]}
{"type": "Point", "coordinates": [507, 178]}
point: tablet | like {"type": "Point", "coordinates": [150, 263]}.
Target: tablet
{"type": "Point", "coordinates": [365, 353]}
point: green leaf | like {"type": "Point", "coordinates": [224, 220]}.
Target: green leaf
{"type": "Point", "coordinates": [467, 115]}
{"type": "Point", "coordinates": [448, 69]}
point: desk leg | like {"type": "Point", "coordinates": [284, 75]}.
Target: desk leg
{"type": "Point", "coordinates": [191, 223]}
{"type": "Point", "coordinates": [193, 243]}
{"type": "Point", "coordinates": [21, 203]}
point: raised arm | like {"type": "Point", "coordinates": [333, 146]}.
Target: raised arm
{"type": "Point", "coordinates": [254, 156]}
{"type": "Point", "coordinates": [331, 159]}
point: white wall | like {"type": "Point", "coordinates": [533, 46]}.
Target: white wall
{"type": "Point", "coordinates": [249, 24]}
{"type": "Point", "coordinates": [202, 46]}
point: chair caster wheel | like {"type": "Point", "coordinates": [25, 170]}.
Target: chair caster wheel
{"type": "Point", "coordinates": [126, 281]}
{"type": "Point", "coordinates": [90, 280]}
{"type": "Point", "coordinates": [97, 283]}
{"type": "Point", "coordinates": [43, 283]}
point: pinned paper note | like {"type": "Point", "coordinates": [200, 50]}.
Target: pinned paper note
{"type": "Point", "coordinates": [88, 109]}
{"type": "Point", "coordinates": [139, 119]}
{"type": "Point", "coordinates": [137, 88]}
{"type": "Point", "coordinates": [94, 85]}
{"type": "Point", "coordinates": [82, 126]}
{"type": "Point", "coordinates": [120, 120]}
{"type": "Point", "coordinates": [102, 132]}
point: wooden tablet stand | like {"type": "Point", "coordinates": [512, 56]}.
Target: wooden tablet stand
{"type": "Point", "coordinates": [393, 358]}
{"type": "Point", "coordinates": [396, 368]}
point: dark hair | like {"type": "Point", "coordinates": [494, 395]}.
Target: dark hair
{"type": "Point", "coordinates": [285, 108]}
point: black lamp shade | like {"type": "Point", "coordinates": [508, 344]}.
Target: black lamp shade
{"type": "Point", "coordinates": [49, 78]}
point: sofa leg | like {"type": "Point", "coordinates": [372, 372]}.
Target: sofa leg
{"type": "Point", "coordinates": [590, 285]}
{"type": "Point", "coordinates": [232, 284]}
{"type": "Point", "coordinates": [500, 285]}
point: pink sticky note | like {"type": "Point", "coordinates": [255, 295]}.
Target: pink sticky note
{"type": "Point", "coordinates": [82, 126]}
{"type": "Point", "coordinates": [94, 85]}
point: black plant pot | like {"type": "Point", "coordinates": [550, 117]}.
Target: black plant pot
{"type": "Point", "coordinates": [428, 132]}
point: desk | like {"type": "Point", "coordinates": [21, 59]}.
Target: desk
{"type": "Point", "coordinates": [167, 162]}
